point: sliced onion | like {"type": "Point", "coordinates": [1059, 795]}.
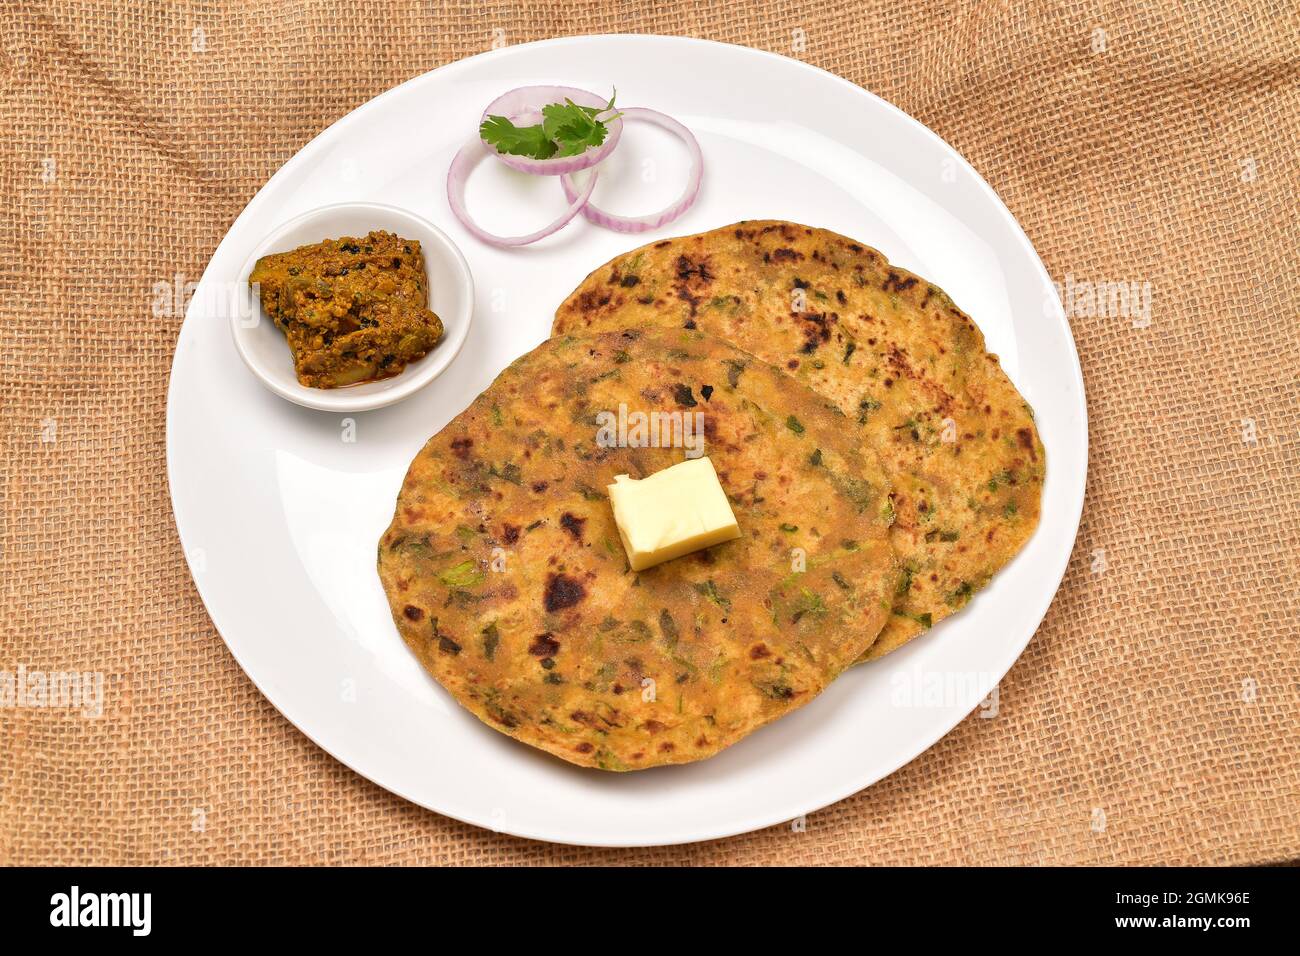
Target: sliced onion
{"type": "Point", "coordinates": [665, 215]}
{"type": "Point", "coordinates": [526, 103]}
{"type": "Point", "coordinates": [470, 155]}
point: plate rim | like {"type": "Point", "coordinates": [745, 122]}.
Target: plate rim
{"type": "Point", "coordinates": [772, 817]}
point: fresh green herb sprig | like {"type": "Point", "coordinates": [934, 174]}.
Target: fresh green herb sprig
{"type": "Point", "coordinates": [567, 129]}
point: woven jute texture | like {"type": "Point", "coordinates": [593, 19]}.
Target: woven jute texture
{"type": "Point", "coordinates": [1153, 718]}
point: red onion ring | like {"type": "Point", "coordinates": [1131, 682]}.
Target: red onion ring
{"type": "Point", "coordinates": [528, 101]}
{"type": "Point", "coordinates": [469, 156]}
{"type": "Point", "coordinates": [664, 216]}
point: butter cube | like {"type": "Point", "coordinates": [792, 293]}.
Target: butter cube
{"type": "Point", "coordinates": [673, 512]}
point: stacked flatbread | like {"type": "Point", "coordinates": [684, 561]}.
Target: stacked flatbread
{"type": "Point", "coordinates": [892, 351]}
{"type": "Point", "coordinates": [880, 465]}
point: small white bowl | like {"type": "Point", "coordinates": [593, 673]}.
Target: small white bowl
{"type": "Point", "coordinates": [451, 295]}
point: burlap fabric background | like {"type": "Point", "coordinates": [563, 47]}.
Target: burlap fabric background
{"type": "Point", "coordinates": [1154, 717]}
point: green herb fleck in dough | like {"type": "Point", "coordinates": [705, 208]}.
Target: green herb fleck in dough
{"type": "Point", "coordinates": [467, 574]}
{"type": "Point", "coordinates": [508, 472]}
{"type": "Point", "coordinates": [716, 668]}
{"type": "Point", "coordinates": [734, 368]}
{"type": "Point", "coordinates": [1002, 477]}
{"type": "Point", "coordinates": [607, 761]}
{"type": "Point", "coordinates": [416, 546]}
{"type": "Point", "coordinates": [491, 638]}
{"type": "Point", "coordinates": [810, 604]}
{"type": "Point", "coordinates": [668, 627]}
{"type": "Point", "coordinates": [710, 590]}
{"type": "Point", "coordinates": [865, 408]}
{"type": "Point", "coordinates": [589, 493]}
{"type": "Point", "coordinates": [856, 490]}
{"type": "Point", "coordinates": [682, 394]}
{"type": "Point", "coordinates": [691, 669]}
{"type": "Point", "coordinates": [775, 689]}
{"type": "Point", "coordinates": [959, 596]}
{"type": "Point", "coordinates": [904, 582]}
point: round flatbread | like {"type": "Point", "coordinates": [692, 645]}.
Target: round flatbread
{"type": "Point", "coordinates": [888, 348]}
{"type": "Point", "coordinates": [507, 577]}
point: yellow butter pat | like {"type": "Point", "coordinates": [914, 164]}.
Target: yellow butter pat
{"type": "Point", "coordinates": [673, 512]}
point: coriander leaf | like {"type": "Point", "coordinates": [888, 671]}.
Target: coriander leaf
{"type": "Point", "coordinates": [575, 129]}
{"type": "Point", "coordinates": [593, 110]}
{"type": "Point", "coordinates": [567, 129]}
{"type": "Point", "coordinates": [571, 128]}
{"type": "Point", "coordinates": [517, 141]}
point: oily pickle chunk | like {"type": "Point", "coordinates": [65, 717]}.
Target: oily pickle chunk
{"type": "Point", "coordinates": [352, 309]}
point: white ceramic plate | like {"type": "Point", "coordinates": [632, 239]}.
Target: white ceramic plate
{"type": "Point", "coordinates": [280, 507]}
